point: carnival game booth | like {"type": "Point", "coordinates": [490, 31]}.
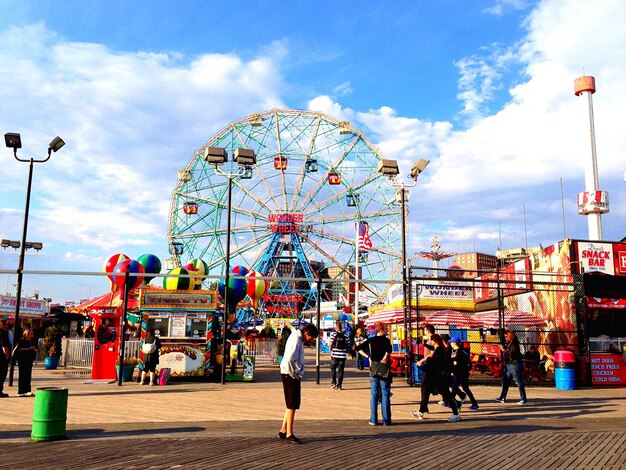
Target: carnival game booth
{"type": "Point", "coordinates": [184, 322]}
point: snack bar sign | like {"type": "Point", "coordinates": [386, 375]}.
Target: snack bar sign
{"type": "Point", "coordinates": [596, 257]}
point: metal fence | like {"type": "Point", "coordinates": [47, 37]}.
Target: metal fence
{"type": "Point", "coordinates": [78, 352]}
{"type": "Point", "coordinates": [263, 350]}
{"type": "Point", "coordinates": [546, 313]}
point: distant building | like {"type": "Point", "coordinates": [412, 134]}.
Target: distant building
{"type": "Point", "coordinates": [473, 263]}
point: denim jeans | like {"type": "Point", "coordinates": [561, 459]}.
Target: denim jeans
{"type": "Point", "coordinates": [513, 371]}
{"type": "Point", "coordinates": [380, 389]}
{"type": "Point", "coordinates": [337, 366]}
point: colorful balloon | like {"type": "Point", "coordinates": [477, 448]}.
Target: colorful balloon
{"type": "Point", "coordinates": [197, 266]}
{"type": "Point", "coordinates": [236, 292]}
{"type": "Point", "coordinates": [256, 288]}
{"type": "Point", "coordinates": [177, 283]}
{"type": "Point", "coordinates": [151, 265]}
{"type": "Point", "coordinates": [239, 271]}
{"type": "Point", "coordinates": [109, 267]}
{"type": "Point", "coordinates": [131, 266]}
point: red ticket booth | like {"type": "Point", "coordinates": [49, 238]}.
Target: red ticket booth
{"type": "Point", "coordinates": [106, 342]}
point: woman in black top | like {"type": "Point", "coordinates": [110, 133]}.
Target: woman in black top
{"type": "Point", "coordinates": [436, 380]}
{"type": "Point", "coordinates": [26, 353]}
{"type": "Point", "coordinates": [150, 359]}
{"type": "Point", "coordinates": [377, 349]}
{"type": "Point", "coordinates": [513, 368]}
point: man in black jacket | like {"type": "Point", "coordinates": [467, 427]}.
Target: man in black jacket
{"type": "Point", "coordinates": [513, 367]}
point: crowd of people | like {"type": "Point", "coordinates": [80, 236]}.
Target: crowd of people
{"type": "Point", "coordinates": [445, 368]}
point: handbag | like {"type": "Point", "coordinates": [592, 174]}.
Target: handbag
{"type": "Point", "coordinates": [148, 348]}
{"type": "Point", "coordinates": [380, 370]}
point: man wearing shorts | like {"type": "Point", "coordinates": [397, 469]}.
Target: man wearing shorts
{"type": "Point", "coordinates": [291, 373]}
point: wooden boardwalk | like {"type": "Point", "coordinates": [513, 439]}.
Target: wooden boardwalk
{"type": "Point", "coordinates": [234, 426]}
{"type": "Point", "coordinates": [517, 444]}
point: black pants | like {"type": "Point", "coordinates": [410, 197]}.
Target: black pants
{"type": "Point", "coordinates": [442, 389]}
{"type": "Point", "coordinates": [4, 369]}
{"type": "Point", "coordinates": [337, 366]}
{"type": "Point", "coordinates": [462, 382]}
{"type": "Point", "coordinates": [26, 373]}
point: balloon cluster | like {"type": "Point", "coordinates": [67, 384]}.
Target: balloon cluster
{"type": "Point", "coordinates": [196, 268]}
{"type": "Point", "coordinates": [140, 271]}
{"type": "Point", "coordinates": [238, 288]}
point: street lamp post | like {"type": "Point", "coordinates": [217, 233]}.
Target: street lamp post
{"type": "Point", "coordinates": [14, 141]}
{"type": "Point", "coordinates": [390, 168]}
{"type": "Point", "coordinates": [245, 158]}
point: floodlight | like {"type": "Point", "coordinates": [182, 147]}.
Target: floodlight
{"type": "Point", "coordinates": [13, 140]}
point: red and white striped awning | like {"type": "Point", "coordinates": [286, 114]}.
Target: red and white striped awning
{"type": "Point", "coordinates": [490, 319]}
{"type": "Point", "coordinates": [393, 315]}
{"type": "Point", "coordinates": [452, 317]}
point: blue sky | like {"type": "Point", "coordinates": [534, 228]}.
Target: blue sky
{"type": "Point", "coordinates": [483, 89]}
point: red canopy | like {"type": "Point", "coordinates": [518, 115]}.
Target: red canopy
{"type": "Point", "coordinates": [107, 301]}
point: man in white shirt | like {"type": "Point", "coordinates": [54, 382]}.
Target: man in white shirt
{"type": "Point", "coordinates": [291, 373]}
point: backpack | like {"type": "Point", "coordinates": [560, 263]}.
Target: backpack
{"type": "Point", "coordinates": [148, 348]}
{"type": "Point", "coordinates": [340, 342]}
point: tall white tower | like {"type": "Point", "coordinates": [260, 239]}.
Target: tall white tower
{"type": "Point", "coordinates": [593, 202]}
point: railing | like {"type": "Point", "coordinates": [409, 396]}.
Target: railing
{"type": "Point", "coordinates": [263, 350]}
{"type": "Point", "coordinates": [78, 352]}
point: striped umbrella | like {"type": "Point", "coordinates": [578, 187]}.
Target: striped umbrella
{"type": "Point", "coordinates": [452, 317]}
{"type": "Point", "coordinates": [394, 315]}
{"type": "Point", "coordinates": [490, 319]}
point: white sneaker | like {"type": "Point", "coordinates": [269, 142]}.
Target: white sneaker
{"type": "Point", "coordinates": [454, 418]}
{"type": "Point", "coordinates": [417, 414]}
{"type": "Point", "coordinates": [441, 402]}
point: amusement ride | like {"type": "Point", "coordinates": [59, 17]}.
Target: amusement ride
{"type": "Point", "coordinates": [309, 205]}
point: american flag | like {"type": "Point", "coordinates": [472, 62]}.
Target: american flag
{"type": "Point", "coordinates": [365, 242]}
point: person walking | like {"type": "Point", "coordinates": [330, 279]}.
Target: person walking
{"type": "Point", "coordinates": [150, 349]}
{"type": "Point", "coordinates": [338, 353]}
{"type": "Point", "coordinates": [377, 349]}
{"type": "Point", "coordinates": [26, 352]}
{"type": "Point", "coordinates": [436, 380]}
{"type": "Point", "coordinates": [5, 355]}
{"type": "Point", "coordinates": [513, 367]}
{"type": "Point", "coordinates": [461, 366]}
{"type": "Point", "coordinates": [291, 374]}
{"type": "Point", "coordinates": [359, 338]}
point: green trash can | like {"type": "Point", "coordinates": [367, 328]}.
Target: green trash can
{"type": "Point", "coordinates": [49, 414]}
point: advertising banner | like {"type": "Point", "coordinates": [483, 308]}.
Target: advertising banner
{"type": "Point", "coordinates": [29, 307]}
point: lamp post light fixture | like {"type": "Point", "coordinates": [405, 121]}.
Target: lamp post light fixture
{"type": "Point", "coordinates": [14, 141]}
{"type": "Point", "coordinates": [390, 168]}
{"type": "Point", "coordinates": [245, 158]}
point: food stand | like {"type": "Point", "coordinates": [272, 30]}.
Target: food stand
{"type": "Point", "coordinates": [184, 322]}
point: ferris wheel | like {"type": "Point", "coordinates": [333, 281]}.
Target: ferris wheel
{"type": "Point", "coordinates": [298, 212]}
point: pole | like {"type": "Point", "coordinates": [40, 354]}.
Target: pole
{"type": "Point", "coordinates": [356, 276]}
{"type": "Point", "coordinates": [227, 277]}
{"type": "Point", "coordinates": [123, 329]}
{"type": "Point", "coordinates": [404, 284]}
{"type": "Point", "coordinates": [20, 270]}
{"type": "Point", "coordinates": [317, 341]}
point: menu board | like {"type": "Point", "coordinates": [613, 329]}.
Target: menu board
{"type": "Point", "coordinates": [177, 327]}
{"type": "Point", "coordinates": [608, 369]}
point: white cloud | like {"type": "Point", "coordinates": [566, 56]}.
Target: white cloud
{"type": "Point", "coordinates": [130, 120]}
